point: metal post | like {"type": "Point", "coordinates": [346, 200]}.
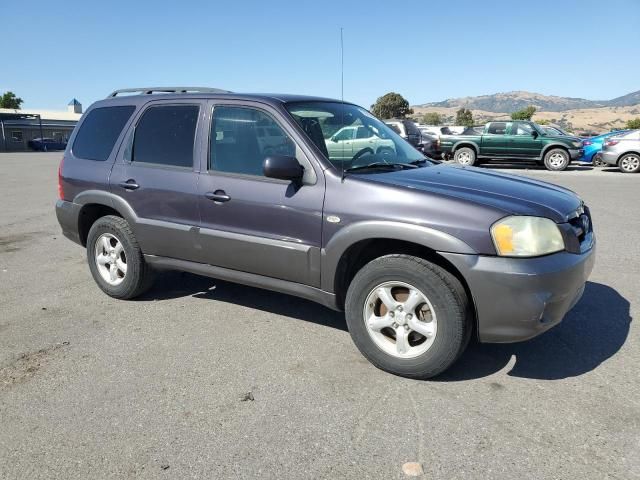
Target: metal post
{"type": "Point", "coordinates": [44, 148]}
{"type": "Point", "coordinates": [4, 139]}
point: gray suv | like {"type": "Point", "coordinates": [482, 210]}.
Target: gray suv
{"type": "Point", "coordinates": [420, 256]}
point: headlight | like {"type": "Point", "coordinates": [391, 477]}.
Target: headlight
{"type": "Point", "coordinates": [521, 236]}
{"type": "Point", "coordinates": [577, 144]}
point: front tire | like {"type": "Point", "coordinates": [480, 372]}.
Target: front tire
{"type": "Point", "coordinates": [465, 156]}
{"type": "Point", "coordinates": [115, 259]}
{"type": "Point", "coordinates": [408, 316]}
{"type": "Point", "coordinates": [556, 160]}
{"type": "Point", "coordinates": [629, 163]}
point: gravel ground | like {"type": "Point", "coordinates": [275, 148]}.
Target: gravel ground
{"type": "Point", "coordinates": [207, 379]}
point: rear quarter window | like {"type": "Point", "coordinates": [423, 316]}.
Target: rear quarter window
{"type": "Point", "coordinates": [99, 131]}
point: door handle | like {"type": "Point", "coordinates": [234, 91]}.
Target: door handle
{"type": "Point", "coordinates": [129, 184]}
{"type": "Point", "coordinates": [218, 196]}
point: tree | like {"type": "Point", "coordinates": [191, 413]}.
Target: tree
{"type": "Point", "coordinates": [464, 117]}
{"type": "Point", "coordinates": [432, 118]}
{"type": "Point", "coordinates": [9, 100]}
{"type": "Point", "coordinates": [524, 114]}
{"type": "Point", "coordinates": [633, 124]}
{"type": "Point", "coordinates": [391, 105]}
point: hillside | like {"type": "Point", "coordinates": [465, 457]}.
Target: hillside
{"type": "Point", "coordinates": [511, 101]}
{"type": "Point", "coordinates": [573, 113]}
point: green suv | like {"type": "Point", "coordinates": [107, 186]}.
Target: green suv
{"type": "Point", "coordinates": [512, 140]}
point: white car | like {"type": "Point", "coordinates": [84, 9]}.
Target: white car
{"type": "Point", "coordinates": [352, 141]}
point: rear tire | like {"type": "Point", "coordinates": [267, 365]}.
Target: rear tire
{"type": "Point", "coordinates": [408, 316]}
{"type": "Point", "coordinates": [465, 156]}
{"type": "Point", "coordinates": [115, 259]}
{"type": "Point", "coordinates": [597, 160]}
{"type": "Point", "coordinates": [629, 163]}
{"type": "Point", "coordinates": [556, 160]}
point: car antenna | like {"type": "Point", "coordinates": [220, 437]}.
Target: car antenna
{"type": "Point", "coordinates": [342, 97]}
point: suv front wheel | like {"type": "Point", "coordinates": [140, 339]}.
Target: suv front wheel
{"type": "Point", "coordinates": [115, 259]}
{"type": "Point", "coordinates": [408, 316]}
{"type": "Point", "coordinates": [556, 160]}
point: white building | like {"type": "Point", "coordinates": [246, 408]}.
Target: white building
{"type": "Point", "coordinates": [18, 127]}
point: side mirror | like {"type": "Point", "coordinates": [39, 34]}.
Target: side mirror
{"type": "Point", "coordinates": [534, 134]}
{"type": "Point", "coordinates": [282, 167]}
{"type": "Point", "coordinates": [334, 139]}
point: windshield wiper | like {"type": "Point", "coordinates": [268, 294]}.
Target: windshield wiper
{"type": "Point", "coordinates": [381, 165]}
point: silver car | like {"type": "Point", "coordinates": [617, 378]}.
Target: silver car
{"type": "Point", "coordinates": [623, 151]}
{"type": "Point", "coordinates": [354, 141]}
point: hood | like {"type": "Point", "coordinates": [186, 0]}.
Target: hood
{"type": "Point", "coordinates": [512, 194]}
{"type": "Point", "coordinates": [570, 138]}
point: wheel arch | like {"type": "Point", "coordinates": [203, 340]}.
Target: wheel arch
{"type": "Point", "coordinates": [552, 146]}
{"type": "Point", "coordinates": [627, 153]}
{"type": "Point", "coordinates": [96, 204]}
{"type": "Point", "coordinates": [466, 143]}
{"type": "Point", "coordinates": [357, 244]}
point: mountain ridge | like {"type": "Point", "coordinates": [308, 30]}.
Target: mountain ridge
{"type": "Point", "coordinates": [507, 102]}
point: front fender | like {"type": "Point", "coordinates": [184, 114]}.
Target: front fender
{"type": "Point", "coordinates": [369, 230]}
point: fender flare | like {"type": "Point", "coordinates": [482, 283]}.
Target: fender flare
{"type": "Point", "coordinates": [431, 238]}
{"type": "Point", "coordinates": [108, 199]}
{"type": "Point", "coordinates": [464, 142]}
{"type": "Point", "coordinates": [550, 146]}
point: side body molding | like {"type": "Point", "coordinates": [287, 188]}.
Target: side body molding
{"type": "Point", "coordinates": [379, 229]}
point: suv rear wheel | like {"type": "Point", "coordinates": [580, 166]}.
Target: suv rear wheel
{"type": "Point", "coordinates": [408, 316]}
{"type": "Point", "coordinates": [465, 156]}
{"type": "Point", "coordinates": [556, 159]}
{"type": "Point", "coordinates": [630, 163]}
{"type": "Point", "coordinates": [115, 259]}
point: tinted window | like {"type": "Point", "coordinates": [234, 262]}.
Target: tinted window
{"type": "Point", "coordinates": [497, 128]}
{"type": "Point", "coordinates": [238, 144]}
{"type": "Point", "coordinates": [364, 132]}
{"type": "Point", "coordinates": [99, 132]}
{"type": "Point", "coordinates": [164, 135]}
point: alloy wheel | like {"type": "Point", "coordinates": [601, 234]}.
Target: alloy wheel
{"type": "Point", "coordinates": [400, 319]}
{"type": "Point", "coordinates": [630, 163]}
{"type": "Point", "coordinates": [110, 259]}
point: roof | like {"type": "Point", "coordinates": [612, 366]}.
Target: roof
{"type": "Point", "coordinates": [44, 114]}
{"type": "Point", "coordinates": [74, 102]}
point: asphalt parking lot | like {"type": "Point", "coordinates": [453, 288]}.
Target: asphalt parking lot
{"type": "Point", "coordinates": [207, 379]}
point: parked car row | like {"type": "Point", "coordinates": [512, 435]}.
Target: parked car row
{"type": "Point", "coordinates": [547, 145]}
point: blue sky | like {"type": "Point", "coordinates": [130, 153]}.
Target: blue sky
{"type": "Point", "coordinates": [427, 51]}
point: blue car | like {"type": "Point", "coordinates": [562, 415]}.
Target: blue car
{"type": "Point", "coordinates": [593, 146]}
{"type": "Point", "coordinates": [46, 144]}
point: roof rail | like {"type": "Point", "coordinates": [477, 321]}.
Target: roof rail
{"type": "Point", "coordinates": [152, 90]}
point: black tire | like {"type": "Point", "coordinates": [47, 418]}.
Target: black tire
{"type": "Point", "coordinates": [597, 160]}
{"type": "Point", "coordinates": [139, 276]}
{"type": "Point", "coordinates": [465, 156]}
{"type": "Point", "coordinates": [445, 293]}
{"type": "Point", "coordinates": [551, 162]}
{"type": "Point", "coordinates": [629, 163]}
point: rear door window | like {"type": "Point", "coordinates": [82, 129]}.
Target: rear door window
{"type": "Point", "coordinates": [99, 131]}
{"type": "Point", "coordinates": [165, 136]}
{"type": "Point", "coordinates": [497, 128]}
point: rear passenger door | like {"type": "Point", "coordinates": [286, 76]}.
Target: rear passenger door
{"type": "Point", "coordinates": [155, 173]}
{"type": "Point", "coordinates": [494, 140]}
{"type": "Point", "coordinates": [252, 223]}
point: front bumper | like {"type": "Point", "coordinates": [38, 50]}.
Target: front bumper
{"type": "Point", "coordinates": [610, 157]}
{"type": "Point", "coordinates": [576, 153]}
{"type": "Point", "coordinates": [520, 298]}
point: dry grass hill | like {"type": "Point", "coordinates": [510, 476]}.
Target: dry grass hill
{"type": "Point", "coordinates": [576, 114]}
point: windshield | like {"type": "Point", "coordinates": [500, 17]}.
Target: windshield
{"type": "Point", "coordinates": [349, 136]}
